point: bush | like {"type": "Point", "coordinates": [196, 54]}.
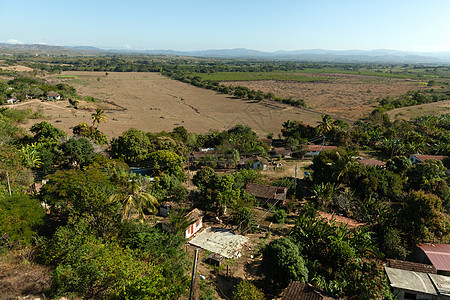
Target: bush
{"type": "Point", "coordinates": [245, 290]}
{"type": "Point", "coordinates": [279, 216]}
{"type": "Point", "coordinates": [19, 217]}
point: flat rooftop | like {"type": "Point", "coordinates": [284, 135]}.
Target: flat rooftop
{"type": "Point", "coordinates": [220, 241]}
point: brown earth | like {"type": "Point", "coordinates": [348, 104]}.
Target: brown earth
{"type": "Point", "coordinates": [344, 95]}
{"type": "Point", "coordinates": [153, 103]}
{"type": "Point", "coordinates": [18, 68]}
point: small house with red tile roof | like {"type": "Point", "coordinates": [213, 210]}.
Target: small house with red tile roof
{"type": "Point", "coordinates": [411, 266]}
{"type": "Point", "coordinates": [351, 223]}
{"type": "Point", "coordinates": [53, 96]}
{"type": "Point", "coordinates": [280, 152]}
{"type": "Point", "coordinates": [275, 195]}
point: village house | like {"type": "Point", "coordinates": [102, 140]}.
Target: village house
{"type": "Point", "coordinates": [196, 216]}
{"type": "Point", "coordinates": [53, 96]}
{"type": "Point", "coordinates": [280, 152]}
{"type": "Point", "coordinates": [267, 194]}
{"type": "Point", "coordinates": [12, 101]}
{"type": "Point", "coordinates": [254, 162]}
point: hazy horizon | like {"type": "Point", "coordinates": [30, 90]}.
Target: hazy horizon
{"type": "Point", "coordinates": [412, 26]}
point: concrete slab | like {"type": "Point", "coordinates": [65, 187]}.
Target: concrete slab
{"type": "Point", "coordinates": [220, 241]}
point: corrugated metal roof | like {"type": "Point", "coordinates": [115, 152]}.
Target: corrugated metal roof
{"type": "Point", "coordinates": [410, 281]}
{"type": "Point", "coordinates": [438, 254]}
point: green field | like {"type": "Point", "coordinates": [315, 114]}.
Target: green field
{"type": "Point", "coordinates": [251, 76]}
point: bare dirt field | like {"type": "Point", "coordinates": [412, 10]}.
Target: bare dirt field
{"type": "Point", "coordinates": [410, 112]}
{"type": "Point", "coordinates": [153, 103]}
{"type": "Point", "coordinates": [344, 95]}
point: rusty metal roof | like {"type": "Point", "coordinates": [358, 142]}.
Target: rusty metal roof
{"type": "Point", "coordinates": [438, 254]}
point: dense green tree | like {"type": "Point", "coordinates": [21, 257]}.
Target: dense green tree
{"type": "Point", "coordinates": [282, 262]}
{"type": "Point", "coordinates": [165, 162]}
{"type": "Point", "coordinates": [422, 217]}
{"type": "Point", "coordinates": [90, 132]}
{"type": "Point", "coordinates": [133, 145]}
{"type": "Point", "coordinates": [45, 132]}
{"type": "Point", "coordinates": [77, 152]}
{"type": "Point", "coordinates": [20, 216]}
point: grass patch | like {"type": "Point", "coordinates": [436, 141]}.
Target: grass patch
{"type": "Point", "coordinates": [67, 76]}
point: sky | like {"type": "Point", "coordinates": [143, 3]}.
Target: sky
{"type": "Point", "coordinates": [266, 25]}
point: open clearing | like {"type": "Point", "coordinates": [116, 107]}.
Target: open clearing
{"type": "Point", "coordinates": [344, 95]}
{"type": "Point", "coordinates": [410, 112]}
{"type": "Point", "coordinates": [153, 103]}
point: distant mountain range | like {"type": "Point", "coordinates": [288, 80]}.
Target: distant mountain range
{"type": "Point", "coordinates": [316, 55]}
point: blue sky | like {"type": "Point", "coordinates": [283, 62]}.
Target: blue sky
{"type": "Point", "coordinates": [265, 25]}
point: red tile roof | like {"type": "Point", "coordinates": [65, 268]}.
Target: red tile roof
{"type": "Point", "coordinates": [424, 157]}
{"type": "Point", "coordinates": [411, 266]}
{"type": "Point", "coordinates": [372, 162]}
{"type": "Point", "coordinates": [341, 220]}
{"type": "Point", "coordinates": [298, 290]}
{"type": "Point", "coordinates": [438, 254]}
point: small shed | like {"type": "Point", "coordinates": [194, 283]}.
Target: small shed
{"type": "Point", "coordinates": [214, 259]}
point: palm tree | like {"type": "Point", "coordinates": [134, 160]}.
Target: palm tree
{"type": "Point", "coordinates": [134, 199]}
{"type": "Point", "coordinates": [326, 125]}
{"type": "Point", "coordinates": [98, 116]}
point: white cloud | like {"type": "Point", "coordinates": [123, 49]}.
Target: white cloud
{"type": "Point", "coordinates": [14, 41]}
{"type": "Point", "coordinates": [127, 47]}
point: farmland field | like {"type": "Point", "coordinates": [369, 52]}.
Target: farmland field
{"type": "Point", "coordinates": [348, 96]}
{"type": "Point", "coordinates": [410, 112]}
{"type": "Point", "coordinates": [252, 76]}
{"type": "Point", "coordinates": [151, 102]}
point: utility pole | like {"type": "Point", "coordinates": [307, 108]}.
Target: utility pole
{"type": "Point", "coordinates": [194, 268]}
{"type": "Point", "coordinates": [295, 180]}
{"type": "Point", "coordinates": [9, 186]}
